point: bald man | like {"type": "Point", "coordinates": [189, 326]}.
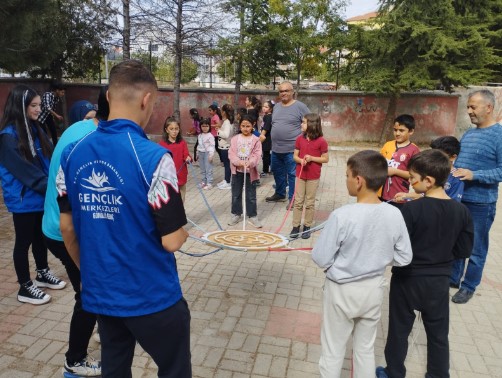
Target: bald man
{"type": "Point", "coordinates": [122, 218]}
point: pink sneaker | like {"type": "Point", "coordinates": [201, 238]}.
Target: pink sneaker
{"type": "Point", "coordinates": [207, 187]}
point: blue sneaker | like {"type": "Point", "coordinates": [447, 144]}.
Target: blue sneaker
{"type": "Point", "coordinates": [380, 372]}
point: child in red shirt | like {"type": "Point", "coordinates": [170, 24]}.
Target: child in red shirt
{"type": "Point", "coordinates": [172, 140]}
{"type": "Point", "coordinates": [311, 151]}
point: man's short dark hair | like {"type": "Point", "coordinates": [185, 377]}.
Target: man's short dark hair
{"type": "Point", "coordinates": [448, 144]}
{"type": "Point", "coordinates": [103, 106]}
{"type": "Point", "coordinates": [131, 73]}
{"type": "Point", "coordinates": [406, 120]}
{"type": "Point", "coordinates": [433, 163]}
{"type": "Point", "coordinates": [57, 85]}
{"type": "Point", "coordinates": [371, 166]}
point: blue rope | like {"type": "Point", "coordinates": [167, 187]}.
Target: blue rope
{"type": "Point", "coordinates": [204, 197]}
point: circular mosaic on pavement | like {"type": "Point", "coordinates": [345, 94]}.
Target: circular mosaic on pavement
{"type": "Point", "coordinates": [246, 240]}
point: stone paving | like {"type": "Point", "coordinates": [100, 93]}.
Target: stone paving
{"type": "Point", "coordinates": [254, 314]}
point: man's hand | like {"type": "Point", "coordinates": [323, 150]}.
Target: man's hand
{"type": "Point", "coordinates": [463, 174]}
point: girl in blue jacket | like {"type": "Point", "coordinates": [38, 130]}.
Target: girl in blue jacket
{"type": "Point", "coordinates": [25, 151]}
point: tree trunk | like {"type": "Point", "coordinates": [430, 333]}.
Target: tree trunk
{"type": "Point", "coordinates": [238, 70]}
{"type": "Point", "coordinates": [389, 119]}
{"type": "Point", "coordinates": [126, 36]}
{"type": "Point", "coordinates": [298, 69]}
{"type": "Point", "coordinates": [178, 60]}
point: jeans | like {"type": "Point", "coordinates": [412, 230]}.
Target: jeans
{"type": "Point", "coordinates": [482, 215]}
{"type": "Point", "coordinates": [82, 322]}
{"type": "Point", "coordinates": [206, 168]}
{"type": "Point", "coordinates": [237, 188]}
{"type": "Point", "coordinates": [226, 164]}
{"type": "Point", "coordinates": [284, 168]}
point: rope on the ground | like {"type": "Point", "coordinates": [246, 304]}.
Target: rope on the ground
{"type": "Point", "coordinates": [204, 197]}
{"type": "Point", "coordinates": [291, 202]}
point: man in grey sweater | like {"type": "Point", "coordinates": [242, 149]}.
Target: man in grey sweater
{"type": "Point", "coordinates": [286, 127]}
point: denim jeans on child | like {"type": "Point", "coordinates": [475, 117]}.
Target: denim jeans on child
{"type": "Point", "coordinates": [237, 189]}
{"type": "Point", "coordinates": [206, 168]}
{"type": "Point", "coordinates": [482, 215]}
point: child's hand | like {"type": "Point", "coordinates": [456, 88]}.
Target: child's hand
{"type": "Point", "coordinates": [210, 159]}
{"type": "Point", "coordinates": [307, 158]}
{"type": "Point", "coordinates": [400, 197]}
{"type": "Point", "coordinates": [304, 162]}
{"type": "Point", "coordinates": [262, 138]}
{"type": "Point", "coordinates": [189, 159]}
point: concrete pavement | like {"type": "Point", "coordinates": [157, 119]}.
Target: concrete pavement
{"type": "Point", "coordinates": [254, 314]}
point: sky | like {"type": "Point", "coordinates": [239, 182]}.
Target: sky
{"type": "Point", "coordinates": [359, 7]}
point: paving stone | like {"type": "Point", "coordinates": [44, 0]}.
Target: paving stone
{"type": "Point", "coordinates": [253, 314]}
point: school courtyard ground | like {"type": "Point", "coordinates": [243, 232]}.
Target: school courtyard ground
{"type": "Point", "coordinates": [254, 314]}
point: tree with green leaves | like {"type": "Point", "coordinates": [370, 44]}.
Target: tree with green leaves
{"type": "Point", "coordinates": [414, 45]}
{"type": "Point", "coordinates": [77, 31]}
{"type": "Point", "coordinates": [303, 24]}
{"type": "Point", "coordinates": [24, 28]}
{"type": "Point", "coordinates": [184, 27]}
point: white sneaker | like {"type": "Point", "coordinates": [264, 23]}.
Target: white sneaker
{"type": "Point", "coordinates": [207, 187]}
{"type": "Point", "coordinates": [234, 219]}
{"type": "Point", "coordinates": [221, 183]}
{"type": "Point", "coordinates": [88, 367]}
{"type": "Point", "coordinates": [225, 186]}
{"type": "Point", "coordinates": [255, 222]}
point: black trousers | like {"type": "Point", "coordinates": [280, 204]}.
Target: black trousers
{"type": "Point", "coordinates": [28, 229]}
{"type": "Point", "coordinates": [50, 128]}
{"type": "Point", "coordinates": [82, 322]}
{"type": "Point", "coordinates": [266, 161]}
{"type": "Point", "coordinates": [429, 295]}
{"type": "Point", "coordinates": [237, 188]}
{"type": "Point", "coordinates": [164, 335]}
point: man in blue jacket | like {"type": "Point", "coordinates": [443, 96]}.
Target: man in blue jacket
{"type": "Point", "coordinates": [122, 218]}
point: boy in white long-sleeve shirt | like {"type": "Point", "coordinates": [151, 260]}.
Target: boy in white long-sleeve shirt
{"type": "Point", "coordinates": [357, 243]}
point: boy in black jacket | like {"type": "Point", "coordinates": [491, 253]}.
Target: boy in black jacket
{"type": "Point", "coordinates": [440, 230]}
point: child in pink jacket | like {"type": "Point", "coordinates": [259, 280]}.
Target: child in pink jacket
{"type": "Point", "coordinates": [244, 155]}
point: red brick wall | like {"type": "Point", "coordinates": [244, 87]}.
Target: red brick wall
{"type": "Point", "coordinates": [346, 116]}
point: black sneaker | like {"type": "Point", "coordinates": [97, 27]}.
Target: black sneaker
{"type": "Point", "coordinates": [306, 232]}
{"type": "Point", "coordinates": [294, 232]}
{"type": "Point", "coordinates": [276, 198]}
{"type": "Point", "coordinates": [45, 278]}
{"type": "Point", "coordinates": [462, 296]}
{"type": "Point", "coordinates": [29, 293]}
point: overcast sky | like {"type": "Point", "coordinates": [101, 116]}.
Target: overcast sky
{"type": "Point", "coordinates": [359, 7]}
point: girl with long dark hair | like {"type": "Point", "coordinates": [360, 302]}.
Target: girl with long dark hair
{"type": "Point", "coordinates": [25, 151]}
